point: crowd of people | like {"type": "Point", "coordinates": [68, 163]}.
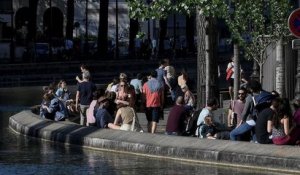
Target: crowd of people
{"type": "Point", "coordinates": [257, 115]}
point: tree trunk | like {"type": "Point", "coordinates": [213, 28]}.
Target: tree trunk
{"type": "Point", "coordinates": [207, 61]}
{"type": "Point", "coordinates": [32, 20]}
{"type": "Point", "coordinates": [70, 19]}
{"type": "Point", "coordinates": [162, 35]}
{"type": "Point", "coordinates": [261, 67]}
{"type": "Point", "coordinates": [103, 28]}
{"type": "Point", "coordinates": [236, 84]}
{"type": "Point", "coordinates": [201, 32]}
{"type": "Point", "coordinates": [280, 72]}
{"type": "Point", "coordinates": [134, 28]}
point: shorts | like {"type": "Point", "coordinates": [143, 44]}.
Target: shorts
{"type": "Point", "coordinates": [152, 114]}
{"type": "Point", "coordinates": [230, 82]}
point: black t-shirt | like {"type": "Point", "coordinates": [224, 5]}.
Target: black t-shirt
{"type": "Point", "coordinates": [86, 90]}
{"type": "Point", "coordinates": [261, 132]}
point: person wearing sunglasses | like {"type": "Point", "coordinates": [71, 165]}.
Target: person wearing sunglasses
{"type": "Point", "coordinates": [236, 108]}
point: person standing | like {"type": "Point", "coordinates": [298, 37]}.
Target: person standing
{"type": "Point", "coordinates": [152, 95]}
{"type": "Point", "coordinates": [84, 95]}
{"type": "Point", "coordinates": [83, 69]}
{"type": "Point", "coordinates": [69, 48]}
{"type": "Point", "coordinates": [137, 85]}
{"type": "Point", "coordinates": [170, 79]}
{"type": "Point", "coordinates": [230, 77]}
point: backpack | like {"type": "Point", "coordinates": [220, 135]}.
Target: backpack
{"type": "Point", "coordinates": [191, 126]}
{"type": "Point", "coordinates": [262, 101]}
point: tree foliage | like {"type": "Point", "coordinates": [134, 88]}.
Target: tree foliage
{"type": "Point", "coordinates": [246, 20]}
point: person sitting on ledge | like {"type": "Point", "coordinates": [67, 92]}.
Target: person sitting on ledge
{"type": "Point", "coordinates": [52, 108]}
{"type": "Point", "coordinates": [177, 116]}
{"type": "Point", "coordinates": [126, 119]}
{"type": "Point", "coordinates": [103, 118]}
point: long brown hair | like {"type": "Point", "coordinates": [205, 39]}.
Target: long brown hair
{"type": "Point", "coordinates": [284, 110]}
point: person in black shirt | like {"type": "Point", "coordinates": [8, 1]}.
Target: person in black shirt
{"type": "Point", "coordinates": [262, 135]}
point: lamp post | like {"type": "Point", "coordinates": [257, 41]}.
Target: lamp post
{"type": "Point", "coordinates": [117, 31]}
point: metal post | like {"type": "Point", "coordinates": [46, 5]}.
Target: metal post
{"type": "Point", "coordinates": [117, 30]}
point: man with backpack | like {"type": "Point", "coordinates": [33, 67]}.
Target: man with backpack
{"type": "Point", "coordinates": [255, 103]}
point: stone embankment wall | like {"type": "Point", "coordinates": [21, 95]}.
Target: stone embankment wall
{"type": "Point", "coordinates": [285, 159]}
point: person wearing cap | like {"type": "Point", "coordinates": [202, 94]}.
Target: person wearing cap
{"type": "Point", "coordinates": [103, 118]}
{"type": "Point", "coordinates": [84, 96]}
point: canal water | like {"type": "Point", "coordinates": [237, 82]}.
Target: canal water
{"type": "Point", "coordinates": [24, 155]}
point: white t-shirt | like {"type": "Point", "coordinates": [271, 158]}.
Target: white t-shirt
{"type": "Point", "coordinates": [231, 65]}
{"type": "Point", "coordinates": [205, 112]}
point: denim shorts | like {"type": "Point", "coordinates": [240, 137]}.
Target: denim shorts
{"type": "Point", "coordinates": [152, 114]}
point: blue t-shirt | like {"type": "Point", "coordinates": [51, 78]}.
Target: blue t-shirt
{"type": "Point", "coordinates": [86, 90]}
{"type": "Point", "coordinates": [103, 118]}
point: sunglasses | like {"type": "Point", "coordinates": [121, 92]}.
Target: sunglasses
{"type": "Point", "coordinates": [241, 93]}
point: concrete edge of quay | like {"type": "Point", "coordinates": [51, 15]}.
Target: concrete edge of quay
{"type": "Point", "coordinates": [284, 159]}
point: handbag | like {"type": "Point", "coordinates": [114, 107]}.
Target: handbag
{"type": "Point", "coordinates": [229, 73]}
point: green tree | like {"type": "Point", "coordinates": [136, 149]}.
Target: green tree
{"type": "Point", "coordinates": [245, 19]}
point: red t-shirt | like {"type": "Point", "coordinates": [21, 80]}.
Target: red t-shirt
{"type": "Point", "coordinates": [153, 99]}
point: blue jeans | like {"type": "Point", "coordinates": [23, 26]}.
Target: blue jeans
{"type": "Point", "coordinates": [243, 128]}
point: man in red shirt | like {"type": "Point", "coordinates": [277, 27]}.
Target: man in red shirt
{"type": "Point", "coordinates": [153, 96]}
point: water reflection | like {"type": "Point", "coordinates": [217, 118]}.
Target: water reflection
{"type": "Point", "coordinates": [22, 155]}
